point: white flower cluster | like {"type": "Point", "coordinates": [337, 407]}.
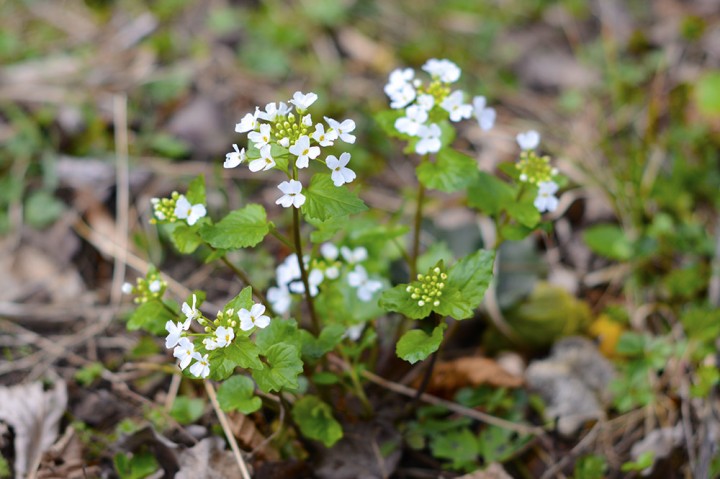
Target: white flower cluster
{"type": "Point", "coordinates": [535, 169]}
{"type": "Point", "coordinates": [292, 135]}
{"type": "Point", "coordinates": [289, 281]}
{"type": "Point", "coordinates": [177, 207]}
{"type": "Point", "coordinates": [216, 336]}
{"type": "Point", "coordinates": [427, 104]}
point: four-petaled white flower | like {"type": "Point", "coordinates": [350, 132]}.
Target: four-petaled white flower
{"type": "Point", "coordinates": [303, 101]}
{"type": "Point", "coordinates": [201, 368]}
{"type": "Point", "coordinates": [210, 344]}
{"type": "Point", "coordinates": [415, 117]}
{"type": "Point", "coordinates": [248, 122]}
{"type": "Point", "coordinates": [343, 129]}
{"type": "Point", "coordinates": [401, 95]}
{"type": "Point", "coordinates": [454, 105]}
{"type": "Point", "coordinates": [255, 317]}
{"type": "Point", "coordinates": [484, 114]}
{"type": "Point", "coordinates": [264, 163]}
{"type": "Point", "coordinates": [329, 251]}
{"type": "Point", "coordinates": [429, 139]}
{"type": "Point", "coordinates": [445, 70]}
{"type": "Point", "coordinates": [279, 298]}
{"type": "Point", "coordinates": [272, 111]}
{"type": "Point", "coordinates": [262, 137]}
{"type": "Point", "coordinates": [175, 332]}
{"type": "Point", "coordinates": [400, 76]}
{"type": "Point", "coordinates": [341, 174]}
{"type": "Point", "coordinates": [322, 137]}
{"type": "Point", "coordinates": [234, 158]}
{"type": "Point", "coordinates": [304, 151]}
{"type": "Point", "coordinates": [191, 313]}
{"type": "Point", "coordinates": [546, 200]}
{"type": "Point", "coordinates": [224, 336]}
{"type": "Point", "coordinates": [127, 288]}
{"type": "Point", "coordinates": [366, 287]}
{"type": "Point", "coordinates": [357, 255]}
{"type": "Point", "coordinates": [155, 286]}
{"type": "Point", "coordinates": [186, 211]}
{"type": "Point", "coordinates": [292, 195]}
{"type": "Point", "coordinates": [425, 101]}
{"type": "Point", "coordinates": [184, 352]}
{"type": "Point", "coordinates": [528, 140]}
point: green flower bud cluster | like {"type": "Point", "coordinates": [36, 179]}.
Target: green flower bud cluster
{"type": "Point", "coordinates": [437, 89]}
{"type": "Point", "coordinates": [164, 209]}
{"type": "Point", "coordinates": [535, 169]}
{"type": "Point", "coordinates": [149, 288]}
{"type": "Point", "coordinates": [428, 287]}
{"type": "Point", "coordinates": [290, 127]}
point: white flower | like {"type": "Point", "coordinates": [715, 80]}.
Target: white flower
{"type": "Point", "coordinates": [127, 288]}
{"type": "Point", "coordinates": [292, 195]}
{"type": "Point", "coordinates": [156, 211]}
{"type": "Point", "coordinates": [343, 129]}
{"type": "Point", "coordinates": [429, 139]}
{"type": "Point", "coordinates": [265, 162]}
{"type": "Point", "coordinates": [284, 142]}
{"type": "Point", "coordinates": [155, 286]}
{"type": "Point", "coordinates": [280, 299]}
{"type": "Point", "coordinates": [184, 352]}
{"type": "Point", "coordinates": [272, 111]}
{"type": "Point", "coordinates": [357, 255]}
{"type": "Point", "coordinates": [248, 122]}
{"type": "Point", "coordinates": [410, 124]}
{"type": "Point", "coordinates": [303, 101]}
{"type": "Point", "coordinates": [400, 76]}
{"type": "Point", "coordinates": [528, 140]}
{"type": "Point", "coordinates": [323, 138]}
{"type": "Point", "coordinates": [332, 272]}
{"type": "Point", "coordinates": [354, 332]}
{"type": "Point", "coordinates": [454, 105]}
{"type": "Point", "coordinates": [255, 317]}
{"type": "Point", "coordinates": [234, 158]}
{"type": "Point", "coordinates": [191, 313]}
{"type": "Point", "coordinates": [262, 137]}
{"type": "Point", "coordinates": [175, 332]}
{"type": "Point", "coordinates": [288, 270]}
{"type": "Point", "coordinates": [358, 278]}
{"type": "Point", "coordinates": [445, 70]}
{"type": "Point", "coordinates": [210, 344]}
{"type": "Point", "coordinates": [201, 368]}
{"type": "Point", "coordinates": [341, 174]}
{"type": "Point", "coordinates": [425, 101]}
{"type": "Point", "coordinates": [224, 336]}
{"type": "Point", "coordinates": [304, 151]}
{"type": "Point", "coordinates": [186, 211]}
{"type": "Point", "coordinates": [484, 114]}
{"type": "Point", "coordinates": [329, 251]}
{"type": "Point", "coordinates": [315, 277]}
{"type": "Point", "coordinates": [401, 95]}
{"type": "Point", "coordinates": [546, 200]}
{"type": "Point", "coordinates": [307, 120]}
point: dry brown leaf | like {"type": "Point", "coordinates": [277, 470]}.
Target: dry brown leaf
{"type": "Point", "coordinates": [64, 460]}
{"type": "Point", "coordinates": [35, 415]}
{"type": "Point", "coordinates": [244, 429]}
{"type": "Point", "coordinates": [449, 376]}
{"type": "Point", "coordinates": [493, 471]}
{"type": "Point", "coordinates": [207, 459]}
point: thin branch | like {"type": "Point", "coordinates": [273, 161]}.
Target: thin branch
{"type": "Point", "coordinates": [416, 231]}
{"type": "Point", "coordinates": [227, 430]}
{"type": "Point", "coordinates": [246, 279]}
{"type": "Point", "coordinates": [123, 195]}
{"type": "Point", "coordinates": [303, 271]}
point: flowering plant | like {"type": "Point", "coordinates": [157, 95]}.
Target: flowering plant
{"type": "Point", "coordinates": [333, 290]}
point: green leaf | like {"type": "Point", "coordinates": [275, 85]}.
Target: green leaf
{"type": "Point", "coordinates": [590, 467]}
{"type": "Point", "coordinates": [135, 466]}
{"type": "Point", "coordinates": [398, 299]}
{"type": "Point", "coordinates": [328, 228]}
{"type": "Point", "coordinates": [324, 200]}
{"type": "Point", "coordinates": [42, 209]}
{"type": "Point", "coordinates": [169, 146]}
{"type": "Point", "coordinates": [185, 238]}
{"type": "Point", "coordinates": [490, 194]}
{"type": "Point", "coordinates": [416, 345]}
{"type": "Point", "coordinates": [707, 93]}
{"type": "Point", "coordinates": [459, 446]}
{"type": "Point", "coordinates": [315, 419]}
{"type": "Point", "coordinates": [386, 120]}
{"type": "Point", "coordinates": [278, 331]}
{"type": "Point", "coordinates": [151, 317]}
{"type": "Point", "coordinates": [186, 410]}
{"type": "Point", "coordinates": [315, 348]}
{"type": "Point", "coordinates": [236, 394]}
{"type": "Point", "coordinates": [282, 368]}
{"type": "Point", "coordinates": [240, 229]}
{"type": "Point", "coordinates": [242, 300]}
{"type": "Point", "coordinates": [196, 191]}
{"type": "Point", "coordinates": [524, 212]}
{"type": "Point", "coordinates": [88, 374]}
{"type": "Point", "coordinates": [609, 241]}
{"type": "Point", "coordinates": [452, 171]}
{"type": "Point", "coordinates": [241, 353]}
{"type": "Point", "coordinates": [467, 282]}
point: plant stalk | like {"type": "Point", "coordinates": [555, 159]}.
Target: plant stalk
{"type": "Point", "coordinates": [416, 231]}
{"type": "Point", "coordinates": [303, 271]}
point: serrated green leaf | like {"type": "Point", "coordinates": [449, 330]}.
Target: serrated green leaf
{"type": "Point", "coordinates": [467, 282]}
{"type": "Point", "coordinates": [151, 317]}
{"type": "Point", "coordinates": [283, 365]}
{"type": "Point", "coordinates": [185, 238]}
{"type": "Point", "coordinates": [196, 191]}
{"type": "Point", "coordinates": [186, 410]}
{"type": "Point", "coordinates": [459, 446]}
{"type": "Point", "coordinates": [315, 348]}
{"type": "Point", "coordinates": [242, 300]}
{"type": "Point", "coordinates": [397, 299]}
{"type": "Point", "coordinates": [490, 194]}
{"type": "Point", "coordinates": [327, 229]}
{"type": "Point", "coordinates": [451, 171]}
{"type": "Point", "coordinates": [278, 331]}
{"type": "Point", "coordinates": [609, 241]}
{"type": "Point", "coordinates": [315, 419]}
{"type": "Point", "coordinates": [241, 353]}
{"type": "Point", "coordinates": [237, 394]}
{"type": "Point", "coordinates": [416, 345]}
{"type": "Point", "coordinates": [524, 212]}
{"type": "Point", "coordinates": [240, 229]}
{"type": "Point", "coordinates": [324, 200]}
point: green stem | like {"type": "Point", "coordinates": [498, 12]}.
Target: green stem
{"type": "Point", "coordinates": [281, 237]}
{"type": "Point", "coordinates": [428, 372]}
{"type": "Point", "coordinates": [359, 390]}
{"type": "Point", "coordinates": [416, 231]}
{"type": "Point", "coordinates": [303, 271]}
